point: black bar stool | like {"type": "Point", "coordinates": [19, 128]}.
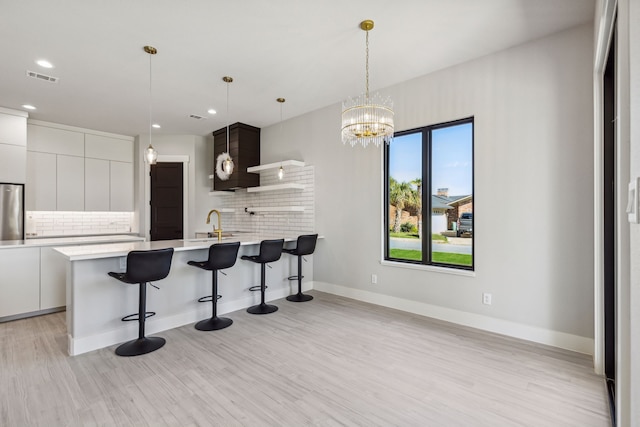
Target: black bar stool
{"type": "Point", "coordinates": [221, 256]}
{"type": "Point", "coordinates": [305, 245]}
{"type": "Point", "coordinates": [143, 267]}
{"type": "Point", "coordinates": [270, 251]}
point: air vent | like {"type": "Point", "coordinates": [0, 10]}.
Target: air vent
{"type": "Point", "coordinates": [43, 77]}
{"type": "Point", "coordinates": [195, 116]}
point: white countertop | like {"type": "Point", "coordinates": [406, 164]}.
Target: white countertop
{"type": "Point", "coordinates": [62, 241]}
{"type": "Point", "coordinates": [77, 253]}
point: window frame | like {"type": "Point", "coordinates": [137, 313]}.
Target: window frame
{"type": "Point", "coordinates": [426, 196]}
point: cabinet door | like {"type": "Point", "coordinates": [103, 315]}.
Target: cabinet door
{"type": "Point", "coordinates": [53, 279]}
{"type": "Point", "coordinates": [20, 284]}
{"type": "Point", "coordinates": [53, 140]}
{"type": "Point", "coordinates": [13, 163]}
{"type": "Point", "coordinates": [13, 130]}
{"type": "Point", "coordinates": [40, 190]}
{"type": "Point", "coordinates": [96, 185]}
{"type": "Point", "coordinates": [107, 148]}
{"type": "Point", "coordinates": [70, 183]}
{"type": "Point", "coordinates": [121, 187]}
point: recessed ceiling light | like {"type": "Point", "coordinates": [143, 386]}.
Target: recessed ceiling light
{"type": "Point", "coordinates": [28, 107]}
{"type": "Point", "coordinates": [155, 125]}
{"type": "Point", "coordinates": [44, 63]}
{"type": "Point", "coordinates": [211, 111]}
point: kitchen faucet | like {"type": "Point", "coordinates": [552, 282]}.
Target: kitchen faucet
{"type": "Point", "coordinates": [218, 230]}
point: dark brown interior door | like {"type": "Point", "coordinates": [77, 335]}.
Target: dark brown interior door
{"type": "Point", "coordinates": [609, 217]}
{"type": "Point", "coordinates": [166, 201]}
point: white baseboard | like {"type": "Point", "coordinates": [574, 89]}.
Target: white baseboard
{"type": "Point", "coordinates": [478, 321]}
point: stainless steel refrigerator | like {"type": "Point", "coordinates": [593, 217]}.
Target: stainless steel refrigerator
{"type": "Point", "coordinates": [11, 211]}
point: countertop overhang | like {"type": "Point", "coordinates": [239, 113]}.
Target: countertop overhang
{"type": "Point", "coordinates": [111, 250]}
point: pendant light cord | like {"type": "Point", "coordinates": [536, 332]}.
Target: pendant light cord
{"type": "Point", "coordinates": [150, 98]}
{"type": "Point", "coordinates": [228, 117]}
{"type": "Point", "coordinates": [367, 65]}
{"type": "Point", "coordinates": [281, 120]}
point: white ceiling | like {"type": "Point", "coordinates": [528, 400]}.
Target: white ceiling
{"type": "Point", "coordinates": [309, 52]}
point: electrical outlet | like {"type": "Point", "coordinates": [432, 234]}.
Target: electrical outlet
{"type": "Point", "coordinates": [374, 278]}
{"type": "Point", "coordinates": [123, 263]}
{"type": "Point", "coordinates": [486, 298]}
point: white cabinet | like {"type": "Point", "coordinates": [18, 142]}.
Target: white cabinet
{"type": "Point", "coordinates": [20, 284]}
{"type": "Point", "coordinates": [107, 148]}
{"type": "Point", "coordinates": [46, 139]}
{"type": "Point", "coordinates": [13, 163]}
{"type": "Point", "coordinates": [13, 143]}
{"type": "Point", "coordinates": [121, 186]}
{"type": "Point", "coordinates": [96, 186]}
{"type": "Point", "coordinates": [108, 186]}
{"type": "Point", "coordinates": [13, 128]}
{"type": "Point", "coordinates": [53, 279]}
{"type": "Point", "coordinates": [40, 192]}
{"type": "Point", "coordinates": [85, 170]}
{"type": "Point", "coordinates": [70, 183]}
{"type": "Point", "coordinates": [54, 182]}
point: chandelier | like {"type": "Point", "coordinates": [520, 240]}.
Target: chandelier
{"type": "Point", "coordinates": [367, 119]}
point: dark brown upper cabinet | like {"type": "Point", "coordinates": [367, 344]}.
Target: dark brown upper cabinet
{"type": "Point", "coordinates": [244, 148]}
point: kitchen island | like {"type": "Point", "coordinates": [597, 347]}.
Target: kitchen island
{"type": "Point", "coordinates": [96, 302]}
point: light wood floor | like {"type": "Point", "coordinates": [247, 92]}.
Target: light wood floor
{"type": "Point", "coordinates": [329, 362]}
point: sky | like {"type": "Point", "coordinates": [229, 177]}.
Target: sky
{"type": "Point", "coordinates": [452, 159]}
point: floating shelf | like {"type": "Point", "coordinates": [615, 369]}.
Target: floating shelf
{"type": "Point", "coordinates": [287, 186]}
{"type": "Point", "coordinates": [220, 193]}
{"type": "Point", "coordinates": [284, 163]}
{"type": "Point", "coordinates": [276, 209]}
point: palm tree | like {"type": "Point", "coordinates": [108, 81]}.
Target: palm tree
{"type": "Point", "coordinates": [417, 202]}
{"type": "Point", "coordinates": [400, 195]}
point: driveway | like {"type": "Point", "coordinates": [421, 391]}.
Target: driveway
{"type": "Point", "coordinates": [456, 245]}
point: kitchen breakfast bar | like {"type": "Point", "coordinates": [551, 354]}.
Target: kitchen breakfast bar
{"type": "Point", "coordinates": [96, 302]}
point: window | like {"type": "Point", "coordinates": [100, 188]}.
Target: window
{"type": "Point", "coordinates": [429, 196]}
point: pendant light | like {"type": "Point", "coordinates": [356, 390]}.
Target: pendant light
{"type": "Point", "coordinates": [367, 118]}
{"type": "Point", "coordinates": [150, 154]}
{"type": "Point", "coordinates": [224, 162]}
{"type": "Point", "coordinates": [281, 170]}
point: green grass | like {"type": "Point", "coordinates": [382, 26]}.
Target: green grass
{"type": "Point", "coordinates": [436, 237]}
{"type": "Point", "coordinates": [439, 257]}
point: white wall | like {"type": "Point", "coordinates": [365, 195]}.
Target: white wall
{"type": "Point", "coordinates": [533, 191]}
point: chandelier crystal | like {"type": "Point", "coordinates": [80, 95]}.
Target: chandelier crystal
{"type": "Point", "coordinates": [367, 119]}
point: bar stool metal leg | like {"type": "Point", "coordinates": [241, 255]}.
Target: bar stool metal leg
{"type": "Point", "coordinates": [215, 322]}
{"type": "Point", "coordinates": [262, 308]}
{"type": "Point", "coordinates": [142, 345]}
{"type": "Point", "coordinates": [299, 297]}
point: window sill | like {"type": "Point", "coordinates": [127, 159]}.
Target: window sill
{"type": "Point", "coordinates": [432, 268]}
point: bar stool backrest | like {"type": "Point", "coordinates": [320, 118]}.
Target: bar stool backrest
{"type": "Point", "coordinates": [270, 250]}
{"type": "Point", "coordinates": [222, 255]}
{"type": "Point", "coordinates": [306, 244]}
{"type": "Point", "coordinates": [148, 266]}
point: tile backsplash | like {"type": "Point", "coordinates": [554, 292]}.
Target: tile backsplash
{"type": "Point", "coordinates": [279, 222]}
{"type": "Point", "coordinates": [44, 223]}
